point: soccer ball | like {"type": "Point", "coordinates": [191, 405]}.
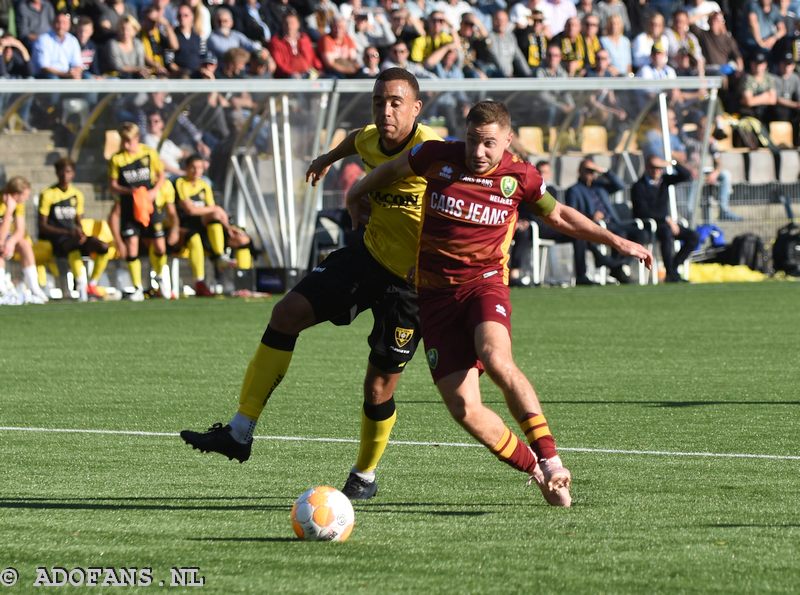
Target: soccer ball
{"type": "Point", "coordinates": [323, 513]}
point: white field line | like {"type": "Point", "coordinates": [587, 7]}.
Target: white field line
{"type": "Point", "coordinates": [613, 451]}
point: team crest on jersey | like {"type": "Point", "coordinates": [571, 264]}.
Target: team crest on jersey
{"type": "Point", "coordinates": [508, 186]}
{"type": "Point", "coordinates": [433, 358]}
{"type": "Point", "coordinates": [402, 335]}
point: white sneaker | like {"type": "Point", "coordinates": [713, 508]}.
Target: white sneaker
{"type": "Point", "coordinates": [9, 297]}
{"type": "Point", "coordinates": [26, 296]}
{"type": "Point", "coordinates": [137, 295]}
{"type": "Point", "coordinates": [553, 480]}
{"type": "Point", "coordinates": [38, 298]}
{"type": "Point", "coordinates": [83, 290]}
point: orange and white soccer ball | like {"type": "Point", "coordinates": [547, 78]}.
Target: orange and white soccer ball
{"type": "Point", "coordinates": [323, 513]}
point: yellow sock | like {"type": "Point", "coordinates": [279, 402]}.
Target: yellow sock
{"type": "Point", "coordinates": [76, 264]}
{"type": "Point", "coordinates": [135, 269]}
{"type": "Point", "coordinates": [157, 261]}
{"type": "Point", "coordinates": [197, 257]}
{"type": "Point", "coordinates": [216, 237]}
{"type": "Point", "coordinates": [244, 259]}
{"type": "Point", "coordinates": [100, 264]}
{"type": "Point", "coordinates": [374, 438]}
{"type": "Point", "coordinates": [265, 372]}
{"type": "Point", "coordinates": [43, 255]}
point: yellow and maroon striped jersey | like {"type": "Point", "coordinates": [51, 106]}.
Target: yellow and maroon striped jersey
{"type": "Point", "coordinates": [468, 220]}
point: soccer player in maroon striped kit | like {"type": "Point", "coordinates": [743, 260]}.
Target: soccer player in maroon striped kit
{"type": "Point", "coordinates": [469, 214]}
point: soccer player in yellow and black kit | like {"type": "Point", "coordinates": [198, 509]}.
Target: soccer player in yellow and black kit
{"type": "Point", "coordinates": [135, 175]}
{"type": "Point", "coordinates": [369, 275]}
{"type": "Point", "coordinates": [60, 211]}
{"type": "Point", "coordinates": [12, 217]}
{"type": "Point", "coordinates": [199, 215]}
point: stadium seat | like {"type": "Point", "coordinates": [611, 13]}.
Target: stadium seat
{"type": "Point", "coordinates": [112, 144]}
{"type": "Point", "coordinates": [734, 162]}
{"type": "Point", "coordinates": [627, 142]}
{"type": "Point", "coordinates": [625, 213]}
{"type": "Point", "coordinates": [567, 170]}
{"type": "Point", "coordinates": [781, 134]}
{"type": "Point", "coordinates": [594, 139]}
{"type": "Point", "coordinates": [726, 143]}
{"type": "Point", "coordinates": [761, 167]}
{"type": "Point", "coordinates": [338, 136]}
{"type": "Point", "coordinates": [790, 167]}
{"type": "Point", "coordinates": [531, 139]}
{"type": "Point", "coordinates": [75, 108]}
{"type": "Point", "coordinates": [539, 252]}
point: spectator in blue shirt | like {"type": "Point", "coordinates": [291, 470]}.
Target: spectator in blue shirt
{"type": "Point", "coordinates": [57, 53]}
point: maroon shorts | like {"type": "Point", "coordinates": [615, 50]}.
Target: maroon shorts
{"type": "Point", "coordinates": [449, 318]}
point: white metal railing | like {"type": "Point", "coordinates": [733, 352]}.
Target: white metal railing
{"type": "Point", "coordinates": [264, 185]}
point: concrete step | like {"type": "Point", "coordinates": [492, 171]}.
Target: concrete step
{"type": "Point", "coordinates": [40, 176]}
{"type": "Point", "coordinates": [15, 142]}
{"type": "Point", "coordinates": [30, 156]}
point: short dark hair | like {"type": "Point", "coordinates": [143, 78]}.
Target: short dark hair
{"type": "Point", "coordinates": [191, 159]}
{"type": "Point", "coordinates": [399, 74]}
{"type": "Point", "coordinates": [63, 163]}
{"type": "Point", "coordinates": [489, 112]}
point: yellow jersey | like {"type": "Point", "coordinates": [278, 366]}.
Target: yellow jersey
{"type": "Point", "coordinates": [141, 168]}
{"type": "Point", "coordinates": [19, 211]}
{"type": "Point", "coordinates": [165, 196]}
{"type": "Point", "coordinates": [393, 230]}
{"type": "Point", "coordinates": [198, 192]}
{"type": "Point", "coordinates": [61, 207]}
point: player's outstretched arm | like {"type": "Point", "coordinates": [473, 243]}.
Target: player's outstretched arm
{"type": "Point", "coordinates": [320, 166]}
{"type": "Point", "coordinates": [573, 223]}
{"type": "Point", "coordinates": [381, 176]}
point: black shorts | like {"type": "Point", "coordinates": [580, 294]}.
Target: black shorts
{"type": "Point", "coordinates": [156, 228]}
{"type": "Point", "coordinates": [350, 281]}
{"type": "Point", "coordinates": [63, 244]}
{"type": "Point", "coordinates": [192, 225]}
{"type": "Point", "coordinates": [130, 227]}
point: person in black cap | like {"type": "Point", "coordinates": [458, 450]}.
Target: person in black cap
{"type": "Point", "coordinates": [758, 90]}
{"type": "Point", "coordinates": [787, 90]}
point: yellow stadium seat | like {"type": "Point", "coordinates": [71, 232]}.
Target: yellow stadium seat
{"type": "Point", "coordinates": [112, 144]}
{"type": "Point", "coordinates": [632, 146]}
{"type": "Point", "coordinates": [338, 136]}
{"type": "Point", "coordinates": [780, 133]}
{"type": "Point", "coordinates": [531, 139]}
{"type": "Point", "coordinates": [594, 139]}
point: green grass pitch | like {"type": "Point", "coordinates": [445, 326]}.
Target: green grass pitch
{"type": "Point", "coordinates": [649, 391]}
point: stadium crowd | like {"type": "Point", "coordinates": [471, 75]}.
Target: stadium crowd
{"type": "Point", "coordinates": [754, 46]}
